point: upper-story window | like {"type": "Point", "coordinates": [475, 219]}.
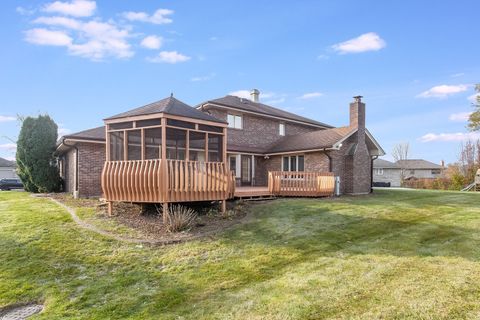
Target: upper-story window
{"type": "Point", "coordinates": [281, 129]}
{"type": "Point", "coordinates": [379, 171]}
{"type": "Point", "coordinates": [235, 121]}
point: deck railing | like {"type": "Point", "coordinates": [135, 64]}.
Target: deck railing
{"type": "Point", "coordinates": [155, 181]}
{"type": "Point", "coordinates": [301, 184]}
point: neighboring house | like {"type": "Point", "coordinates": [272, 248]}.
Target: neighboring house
{"type": "Point", "coordinates": [386, 171]}
{"type": "Point", "coordinates": [259, 139]}
{"type": "Point", "coordinates": [8, 169]}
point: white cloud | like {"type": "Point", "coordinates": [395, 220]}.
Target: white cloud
{"type": "Point", "coordinates": [8, 146]}
{"type": "Point", "coordinates": [311, 95]}
{"type": "Point", "coordinates": [158, 17]}
{"type": "Point", "coordinates": [322, 57]}
{"type": "Point", "coordinates": [63, 131]}
{"type": "Point", "coordinates": [94, 39]}
{"type": "Point", "coordinates": [24, 11]}
{"type": "Point", "coordinates": [169, 57]}
{"type": "Point", "coordinates": [448, 137]}
{"type": "Point", "coordinates": [474, 98]}
{"type": "Point", "coordinates": [456, 75]}
{"type": "Point", "coordinates": [459, 117]}
{"type": "Point", "coordinates": [75, 8]}
{"type": "Point", "coordinates": [443, 91]}
{"type": "Point", "coordinates": [241, 94]}
{"type": "Point", "coordinates": [60, 22]}
{"type": "Point", "coordinates": [7, 118]}
{"type": "Point", "coordinates": [203, 78]}
{"type": "Point", "coordinates": [152, 42]}
{"type": "Point", "coordinates": [46, 37]}
{"type": "Point", "coordinates": [213, 38]}
{"type": "Point", "coordinates": [366, 42]}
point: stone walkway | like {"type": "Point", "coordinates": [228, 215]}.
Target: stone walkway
{"type": "Point", "coordinates": [20, 312]}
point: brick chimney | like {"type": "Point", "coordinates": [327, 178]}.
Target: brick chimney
{"type": "Point", "coordinates": [357, 113]}
{"type": "Point", "coordinates": [255, 95]}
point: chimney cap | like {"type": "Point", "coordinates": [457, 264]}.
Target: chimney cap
{"type": "Point", "coordinates": [254, 94]}
{"type": "Point", "coordinates": [358, 98]}
{"type": "Point", "coordinates": [255, 91]}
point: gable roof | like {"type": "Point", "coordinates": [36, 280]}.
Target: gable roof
{"type": "Point", "coordinates": [381, 163]}
{"type": "Point", "coordinates": [168, 105]}
{"type": "Point", "coordinates": [248, 105]}
{"type": "Point", "coordinates": [310, 141]}
{"type": "Point", "coordinates": [97, 133]}
{"type": "Point", "coordinates": [418, 164]}
{"type": "Point", "coordinates": [7, 163]}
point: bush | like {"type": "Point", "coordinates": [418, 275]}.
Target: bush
{"type": "Point", "coordinates": [35, 154]}
{"type": "Point", "coordinates": [179, 218]}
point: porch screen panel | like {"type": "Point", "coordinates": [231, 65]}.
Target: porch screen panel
{"type": "Point", "coordinates": [197, 146]}
{"type": "Point", "coordinates": [116, 146]}
{"type": "Point", "coordinates": [215, 148]}
{"type": "Point", "coordinates": [176, 143]}
{"type": "Point", "coordinates": [301, 163]}
{"type": "Point", "coordinates": [153, 143]}
{"type": "Point", "coordinates": [134, 145]}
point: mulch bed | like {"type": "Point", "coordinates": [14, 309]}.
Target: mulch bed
{"type": "Point", "coordinates": [147, 221]}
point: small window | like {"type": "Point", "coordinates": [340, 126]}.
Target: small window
{"type": "Point", "coordinates": [235, 121]}
{"type": "Point", "coordinates": [436, 171]}
{"type": "Point", "coordinates": [233, 165]}
{"type": "Point", "coordinates": [281, 129]}
{"type": "Point", "coordinates": [379, 171]}
{"type": "Point", "coordinates": [293, 163]}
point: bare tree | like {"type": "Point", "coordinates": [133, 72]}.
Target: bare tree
{"type": "Point", "coordinates": [400, 153]}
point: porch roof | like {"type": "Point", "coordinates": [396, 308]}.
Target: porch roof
{"type": "Point", "coordinates": [168, 105]}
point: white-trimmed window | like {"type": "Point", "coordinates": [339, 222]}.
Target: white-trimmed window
{"type": "Point", "coordinates": [281, 129]}
{"type": "Point", "coordinates": [379, 171]}
{"type": "Point", "coordinates": [293, 163]}
{"type": "Point", "coordinates": [235, 121]}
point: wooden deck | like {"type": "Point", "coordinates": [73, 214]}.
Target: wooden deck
{"type": "Point", "coordinates": [252, 192]}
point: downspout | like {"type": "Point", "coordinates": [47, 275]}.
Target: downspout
{"type": "Point", "coordinates": [329, 159]}
{"type": "Point", "coordinates": [76, 165]}
{"type": "Point", "coordinates": [371, 173]}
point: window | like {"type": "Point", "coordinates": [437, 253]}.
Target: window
{"type": "Point", "coordinates": [134, 146]}
{"type": "Point", "coordinates": [293, 163]}
{"type": "Point", "coordinates": [116, 146]}
{"type": "Point", "coordinates": [153, 143]}
{"type": "Point", "coordinates": [176, 142]}
{"type": "Point", "coordinates": [197, 146]}
{"type": "Point", "coordinates": [235, 121]}
{"type": "Point", "coordinates": [215, 148]}
{"type": "Point", "coordinates": [379, 171]}
{"type": "Point", "coordinates": [412, 171]}
{"type": "Point", "coordinates": [281, 129]}
{"type": "Point", "coordinates": [120, 125]}
{"type": "Point", "coordinates": [436, 171]}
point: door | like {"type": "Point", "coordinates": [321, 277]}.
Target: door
{"type": "Point", "coordinates": [246, 168]}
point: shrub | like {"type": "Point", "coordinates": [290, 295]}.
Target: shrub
{"type": "Point", "coordinates": [35, 159]}
{"type": "Point", "coordinates": [179, 218]}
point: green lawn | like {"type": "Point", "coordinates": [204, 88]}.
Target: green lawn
{"type": "Point", "coordinates": [395, 254]}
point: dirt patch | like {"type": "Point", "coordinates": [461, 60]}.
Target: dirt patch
{"type": "Point", "coordinates": [20, 311]}
{"type": "Point", "coordinates": [147, 221]}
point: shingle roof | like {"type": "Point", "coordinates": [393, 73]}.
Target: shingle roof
{"type": "Point", "coordinates": [311, 140]}
{"type": "Point", "coordinates": [248, 105]}
{"type": "Point", "coordinates": [417, 164]}
{"type": "Point", "coordinates": [7, 163]}
{"type": "Point", "coordinates": [381, 163]}
{"type": "Point", "coordinates": [168, 105]}
{"type": "Point", "coordinates": [90, 134]}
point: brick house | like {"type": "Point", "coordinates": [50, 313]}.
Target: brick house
{"type": "Point", "coordinates": [259, 139]}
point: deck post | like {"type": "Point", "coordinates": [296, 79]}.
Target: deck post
{"type": "Point", "coordinates": [223, 208]}
{"type": "Point", "coordinates": [110, 207]}
{"type": "Point", "coordinates": [165, 212]}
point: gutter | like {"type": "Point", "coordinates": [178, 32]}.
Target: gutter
{"type": "Point", "coordinates": [371, 173]}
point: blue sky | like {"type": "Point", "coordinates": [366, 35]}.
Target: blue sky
{"type": "Point", "coordinates": [415, 62]}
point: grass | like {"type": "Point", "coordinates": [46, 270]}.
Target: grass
{"type": "Point", "coordinates": [394, 255]}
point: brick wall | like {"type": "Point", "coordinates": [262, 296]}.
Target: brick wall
{"type": "Point", "coordinates": [316, 162]}
{"type": "Point", "coordinates": [91, 160]}
{"type": "Point", "coordinates": [258, 131]}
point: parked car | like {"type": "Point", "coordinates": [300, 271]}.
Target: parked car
{"type": "Point", "coordinates": [9, 184]}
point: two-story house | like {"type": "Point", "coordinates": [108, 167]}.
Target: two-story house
{"type": "Point", "coordinates": [259, 139]}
